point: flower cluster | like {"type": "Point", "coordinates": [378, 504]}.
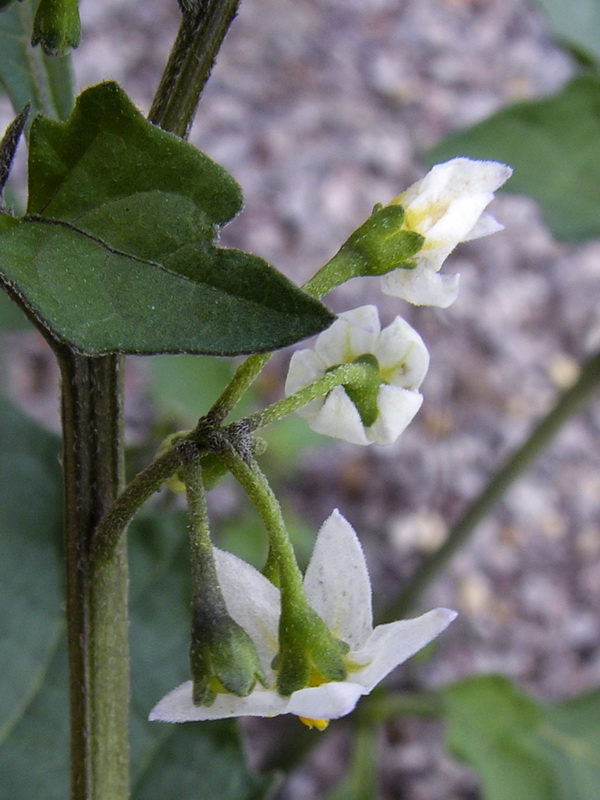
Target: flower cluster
{"type": "Point", "coordinates": [279, 643]}
{"type": "Point", "coordinates": [342, 598]}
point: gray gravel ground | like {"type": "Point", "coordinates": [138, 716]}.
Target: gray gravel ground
{"type": "Point", "coordinates": [320, 108]}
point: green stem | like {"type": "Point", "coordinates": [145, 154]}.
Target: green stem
{"type": "Point", "coordinates": [243, 378]}
{"type": "Point", "coordinates": [344, 374]}
{"type": "Point", "coordinates": [568, 403]}
{"type": "Point", "coordinates": [116, 519]}
{"type": "Point", "coordinates": [96, 588]}
{"type": "Point", "coordinates": [281, 553]}
{"type": "Point", "coordinates": [190, 63]}
{"type": "Point", "coordinates": [336, 271]}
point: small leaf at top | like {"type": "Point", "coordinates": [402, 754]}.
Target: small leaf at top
{"type": "Point", "coordinates": [27, 75]}
{"type": "Point", "coordinates": [117, 252]}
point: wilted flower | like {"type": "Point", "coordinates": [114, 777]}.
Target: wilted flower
{"type": "Point", "coordinates": [446, 207]}
{"type": "Point", "coordinates": [338, 588]}
{"type": "Point", "coordinates": [380, 409]}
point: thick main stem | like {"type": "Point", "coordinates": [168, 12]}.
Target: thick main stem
{"type": "Point", "coordinates": [96, 587]}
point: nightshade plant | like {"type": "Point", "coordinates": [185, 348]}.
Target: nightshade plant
{"type": "Point", "coordinates": [117, 253]}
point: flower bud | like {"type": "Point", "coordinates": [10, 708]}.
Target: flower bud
{"type": "Point", "coordinates": [223, 658]}
{"type": "Point", "coordinates": [309, 654]}
{"type": "Point", "coordinates": [56, 27]}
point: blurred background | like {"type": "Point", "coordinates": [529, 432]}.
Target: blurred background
{"type": "Point", "coordinates": [320, 109]}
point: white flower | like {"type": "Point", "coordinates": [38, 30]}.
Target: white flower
{"type": "Point", "coordinates": [446, 207]}
{"type": "Point", "coordinates": [401, 359]}
{"type": "Point", "coordinates": [338, 588]}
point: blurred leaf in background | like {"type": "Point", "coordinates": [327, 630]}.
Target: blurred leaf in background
{"type": "Point", "coordinates": [523, 749]}
{"type": "Point", "coordinates": [554, 147]}
{"type": "Point", "coordinates": [576, 24]}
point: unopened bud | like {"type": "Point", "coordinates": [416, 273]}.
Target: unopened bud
{"type": "Point", "coordinates": [56, 27]}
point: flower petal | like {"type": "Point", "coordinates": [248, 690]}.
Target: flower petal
{"type": "Point", "coordinates": [305, 367]}
{"type": "Point", "coordinates": [328, 701]}
{"type": "Point", "coordinates": [421, 286]}
{"type": "Point", "coordinates": [253, 602]}
{"type": "Point", "coordinates": [402, 355]}
{"type": "Point", "coordinates": [337, 582]}
{"type": "Point", "coordinates": [397, 408]}
{"type": "Point", "coordinates": [485, 226]}
{"type": "Point", "coordinates": [352, 334]}
{"type": "Point", "coordinates": [459, 219]}
{"type": "Point", "coordinates": [390, 645]}
{"type": "Point", "coordinates": [339, 417]}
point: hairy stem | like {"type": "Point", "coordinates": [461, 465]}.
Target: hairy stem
{"type": "Point", "coordinates": [96, 588]}
{"type": "Point", "coordinates": [201, 33]}
{"type": "Point", "coordinates": [568, 403]}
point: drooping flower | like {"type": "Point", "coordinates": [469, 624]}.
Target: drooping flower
{"type": "Point", "coordinates": [380, 410]}
{"type": "Point", "coordinates": [446, 207]}
{"type": "Point", "coordinates": [338, 588]}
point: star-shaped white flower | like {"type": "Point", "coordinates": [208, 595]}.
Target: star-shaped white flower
{"type": "Point", "coordinates": [401, 359]}
{"type": "Point", "coordinates": [446, 207]}
{"type": "Point", "coordinates": [338, 588]}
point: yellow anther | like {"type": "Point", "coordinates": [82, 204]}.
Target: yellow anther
{"type": "Point", "coordinates": [319, 724]}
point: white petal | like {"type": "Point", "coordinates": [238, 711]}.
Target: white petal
{"type": "Point", "coordinates": [402, 355]}
{"type": "Point", "coordinates": [365, 328]}
{"type": "Point", "coordinates": [339, 418]}
{"type": "Point", "coordinates": [353, 333]}
{"type": "Point", "coordinates": [305, 367]}
{"type": "Point", "coordinates": [397, 408]}
{"type": "Point", "coordinates": [485, 226]}
{"type": "Point", "coordinates": [459, 219]}
{"type": "Point", "coordinates": [178, 706]}
{"type": "Point", "coordinates": [337, 583]}
{"type": "Point", "coordinates": [461, 176]}
{"type": "Point", "coordinates": [390, 645]}
{"type": "Point", "coordinates": [328, 701]}
{"type": "Point", "coordinates": [253, 602]}
{"type": "Point", "coordinates": [422, 287]}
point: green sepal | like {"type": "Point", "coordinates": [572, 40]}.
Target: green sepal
{"type": "Point", "coordinates": [377, 247]}
{"type": "Point", "coordinates": [56, 27]}
{"type": "Point", "coordinates": [308, 653]}
{"type": "Point", "coordinates": [364, 391]}
{"type": "Point", "coordinates": [222, 657]}
{"type": "Point", "coordinates": [380, 245]}
{"type": "Point", "coordinates": [117, 251]}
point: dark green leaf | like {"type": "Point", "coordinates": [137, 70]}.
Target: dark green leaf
{"type": "Point", "coordinates": [554, 147]}
{"type": "Point", "coordinates": [116, 252]}
{"type": "Point", "coordinates": [523, 749]}
{"type": "Point", "coordinates": [27, 75]}
{"type": "Point", "coordinates": [576, 23]}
